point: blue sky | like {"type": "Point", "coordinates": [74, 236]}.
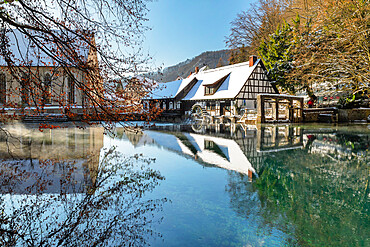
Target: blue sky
{"type": "Point", "coordinates": [183, 29]}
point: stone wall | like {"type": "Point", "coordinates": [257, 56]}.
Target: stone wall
{"type": "Point", "coordinates": [336, 115]}
{"type": "Point", "coordinates": [348, 115]}
{"type": "Point", "coordinates": [320, 115]}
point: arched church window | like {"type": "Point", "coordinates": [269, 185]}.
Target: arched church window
{"type": "Point", "coordinates": [2, 88]}
{"type": "Point", "coordinates": [25, 88]}
{"type": "Point", "coordinates": [71, 89]}
{"type": "Point", "coordinates": [46, 90]}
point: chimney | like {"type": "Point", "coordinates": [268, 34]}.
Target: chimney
{"type": "Point", "coordinates": [250, 175]}
{"type": "Point", "coordinates": [252, 60]}
{"type": "Point", "coordinates": [196, 70]}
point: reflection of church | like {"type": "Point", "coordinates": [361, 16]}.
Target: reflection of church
{"type": "Point", "coordinates": [53, 161]}
{"type": "Point", "coordinates": [234, 147]}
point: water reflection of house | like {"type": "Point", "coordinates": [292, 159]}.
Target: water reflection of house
{"type": "Point", "coordinates": [279, 138]}
{"type": "Point", "coordinates": [234, 146]}
{"type": "Point", "coordinates": [221, 152]}
{"type": "Point", "coordinates": [256, 142]}
{"type": "Point", "coordinates": [64, 159]}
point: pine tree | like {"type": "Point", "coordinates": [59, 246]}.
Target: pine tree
{"type": "Point", "coordinates": [243, 55]}
{"type": "Point", "coordinates": [277, 55]}
{"type": "Point", "coordinates": [219, 64]}
{"type": "Point", "coordinates": [233, 58]}
{"type": "Point", "coordinates": [239, 55]}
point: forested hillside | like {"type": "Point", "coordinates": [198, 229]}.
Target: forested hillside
{"type": "Point", "coordinates": [212, 59]}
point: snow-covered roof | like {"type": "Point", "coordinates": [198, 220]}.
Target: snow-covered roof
{"type": "Point", "coordinates": [165, 140]}
{"type": "Point", "coordinates": [229, 155]}
{"type": "Point", "coordinates": [27, 52]}
{"type": "Point", "coordinates": [166, 90]}
{"type": "Point", "coordinates": [236, 74]}
{"type": "Point", "coordinates": [233, 157]}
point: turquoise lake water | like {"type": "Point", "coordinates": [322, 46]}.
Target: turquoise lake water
{"type": "Point", "coordinates": [183, 185]}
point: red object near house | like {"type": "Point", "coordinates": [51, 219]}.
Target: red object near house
{"type": "Point", "coordinates": [310, 103]}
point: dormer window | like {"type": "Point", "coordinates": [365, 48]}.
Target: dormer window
{"type": "Point", "coordinates": [210, 89]}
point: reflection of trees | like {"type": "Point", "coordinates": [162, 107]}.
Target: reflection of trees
{"type": "Point", "coordinates": [243, 199]}
{"type": "Point", "coordinates": [111, 211]}
{"type": "Point", "coordinates": [326, 201]}
{"type": "Point", "coordinates": [246, 202]}
{"type": "Point", "coordinates": [34, 176]}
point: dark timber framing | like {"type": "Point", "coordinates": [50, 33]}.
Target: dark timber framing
{"type": "Point", "coordinates": [238, 93]}
{"type": "Point", "coordinates": [257, 83]}
{"type": "Point", "coordinates": [246, 98]}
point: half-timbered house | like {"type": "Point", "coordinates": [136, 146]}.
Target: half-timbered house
{"type": "Point", "coordinates": [228, 90]}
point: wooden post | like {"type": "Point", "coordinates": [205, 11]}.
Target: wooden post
{"type": "Point", "coordinates": [301, 110]}
{"type": "Point", "coordinates": [274, 135]}
{"type": "Point", "coordinates": [291, 110]}
{"type": "Point", "coordinates": [290, 136]}
{"type": "Point", "coordinates": [232, 129]}
{"type": "Point", "coordinates": [260, 109]}
{"type": "Point", "coordinates": [217, 128]}
{"type": "Point", "coordinates": [260, 137]}
{"type": "Point", "coordinates": [232, 108]}
{"type": "Point", "coordinates": [300, 135]}
{"type": "Point", "coordinates": [277, 109]}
